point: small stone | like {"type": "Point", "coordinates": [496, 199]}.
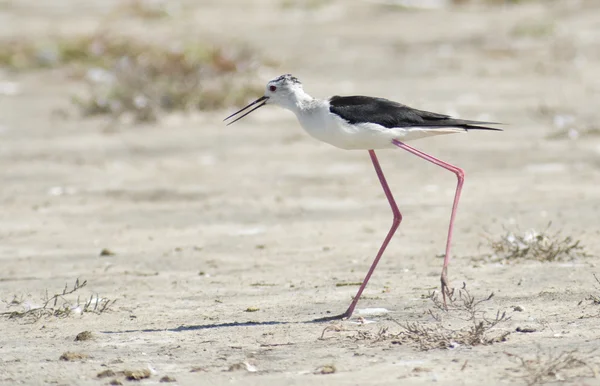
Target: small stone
{"type": "Point", "coordinates": [106, 252]}
{"type": "Point", "coordinates": [327, 369]}
{"type": "Point", "coordinates": [526, 329]}
{"type": "Point", "coordinates": [242, 366]}
{"type": "Point", "coordinates": [166, 379]}
{"type": "Point", "coordinates": [106, 374]}
{"type": "Point", "coordinates": [85, 335]}
{"type": "Point", "coordinates": [421, 370]}
{"type": "Point", "coordinates": [73, 356]}
{"type": "Point", "coordinates": [136, 375]}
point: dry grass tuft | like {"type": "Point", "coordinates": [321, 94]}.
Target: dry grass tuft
{"type": "Point", "coordinates": [595, 298]}
{"type": "Point", "coordinates": [463, 307]}
{"type": "Point", "coordinates": [552, 368]}
{"type": "Point", "coordinates": [131, 79]}
{"type": "Point", "coordinates": [533, 245]}
{"type": "Point", "coordinates": [383, 334]}
{"type": "Point", "coordinates": [474, 328]}
{"type": "Point", "coordinates": [58, 305]}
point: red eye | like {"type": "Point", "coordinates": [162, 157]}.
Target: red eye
{"type": "Point", "coordinates": [272, 88]}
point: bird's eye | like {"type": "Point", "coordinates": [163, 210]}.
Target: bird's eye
{"type": "Point", "coordinates": [272, 88]}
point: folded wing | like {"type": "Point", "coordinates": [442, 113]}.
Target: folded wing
{"type": "Point", "coordinates": [390, 114]}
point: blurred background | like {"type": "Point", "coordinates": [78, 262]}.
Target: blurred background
{"type": "Point", "coordinates": [136, 60]}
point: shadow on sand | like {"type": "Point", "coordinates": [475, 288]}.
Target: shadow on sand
{"type": "Point", "coordinates": [224, 325]}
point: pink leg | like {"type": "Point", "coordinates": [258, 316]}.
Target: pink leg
{"type": "Point", "coordinates": [395, 224]}
{"type": "Point", "coordinates": [460, 174]}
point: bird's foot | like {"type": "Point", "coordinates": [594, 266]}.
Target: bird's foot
{"type": "Point", "coordinates": [331, 318]}
{"type": "Point", "coordinates": [446, 290]}
{"type": "Point", "coordinates": [344, 316]}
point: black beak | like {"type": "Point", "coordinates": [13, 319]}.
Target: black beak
{"type": "Point", "coordinates": [262, 99]}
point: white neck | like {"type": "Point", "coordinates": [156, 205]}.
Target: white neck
{"type": "Point", "coordinates": [299, 101]}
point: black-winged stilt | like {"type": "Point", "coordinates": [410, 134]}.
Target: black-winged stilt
{"type": "Point", "coordinates": [361, 122]}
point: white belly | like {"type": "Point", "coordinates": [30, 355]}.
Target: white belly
{"type": "Point", "coordinates": [335, 131]}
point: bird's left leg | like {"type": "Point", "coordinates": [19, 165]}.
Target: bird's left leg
{"type": "Point", "coordinates": [460, 174]}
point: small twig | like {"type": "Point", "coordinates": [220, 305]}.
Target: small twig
{"type": "Point", "coordinates": [65, 292]}
{"type": "Point", "coordinates": [51, 307]}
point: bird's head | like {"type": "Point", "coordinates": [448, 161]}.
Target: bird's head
{"type": "Point", "coordinates": [281, 91]}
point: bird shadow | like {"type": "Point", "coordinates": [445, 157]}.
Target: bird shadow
{"type": "Point", "coordinates": [199, 327]}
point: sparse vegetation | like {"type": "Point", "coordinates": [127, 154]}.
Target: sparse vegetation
{"type": "Point", "coordinates": [129, 77]}
{"type": "Point", "coordinates": [552, 367]}
{"type": "Point", "coordinates": [533, 245]}
{"type": "Point", "coordinates": [593, 297]}
{"type": "Point", "coordinates": [59, 305]}
{"type": "Point", "coordinates": [463, 307]}
{"type": "Point", "coordinates": [473, 327]}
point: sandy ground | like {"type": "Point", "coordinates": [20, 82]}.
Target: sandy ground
{"type": "Point", "coordinates": [207, 221]}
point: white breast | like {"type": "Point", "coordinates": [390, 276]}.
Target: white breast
{"type": "Point", "coordinates": [320, 123]}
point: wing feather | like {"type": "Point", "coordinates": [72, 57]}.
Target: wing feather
{"type": "Point", "coordinates": [390, 114]}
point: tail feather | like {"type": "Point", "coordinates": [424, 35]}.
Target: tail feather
{"type": "Point", "coordinates": [477, 127]}
{"type": "Point", "coordinates": [469, 124]}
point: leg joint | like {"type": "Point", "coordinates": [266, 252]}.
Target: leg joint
{"type": "Point", "coordinates": [397, 216]}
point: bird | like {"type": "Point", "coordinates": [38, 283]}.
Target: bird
{"type": "Point", "coordinates": [369, 123]}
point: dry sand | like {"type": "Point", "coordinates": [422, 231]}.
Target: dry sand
{"type": "Point", "coordinates": [206, 222]}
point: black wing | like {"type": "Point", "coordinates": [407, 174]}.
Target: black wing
{"type": "Point", "coordinates": [363, 109]}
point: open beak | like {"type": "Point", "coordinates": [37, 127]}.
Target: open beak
{"type": "Point", "coordinates": [262, 99]}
